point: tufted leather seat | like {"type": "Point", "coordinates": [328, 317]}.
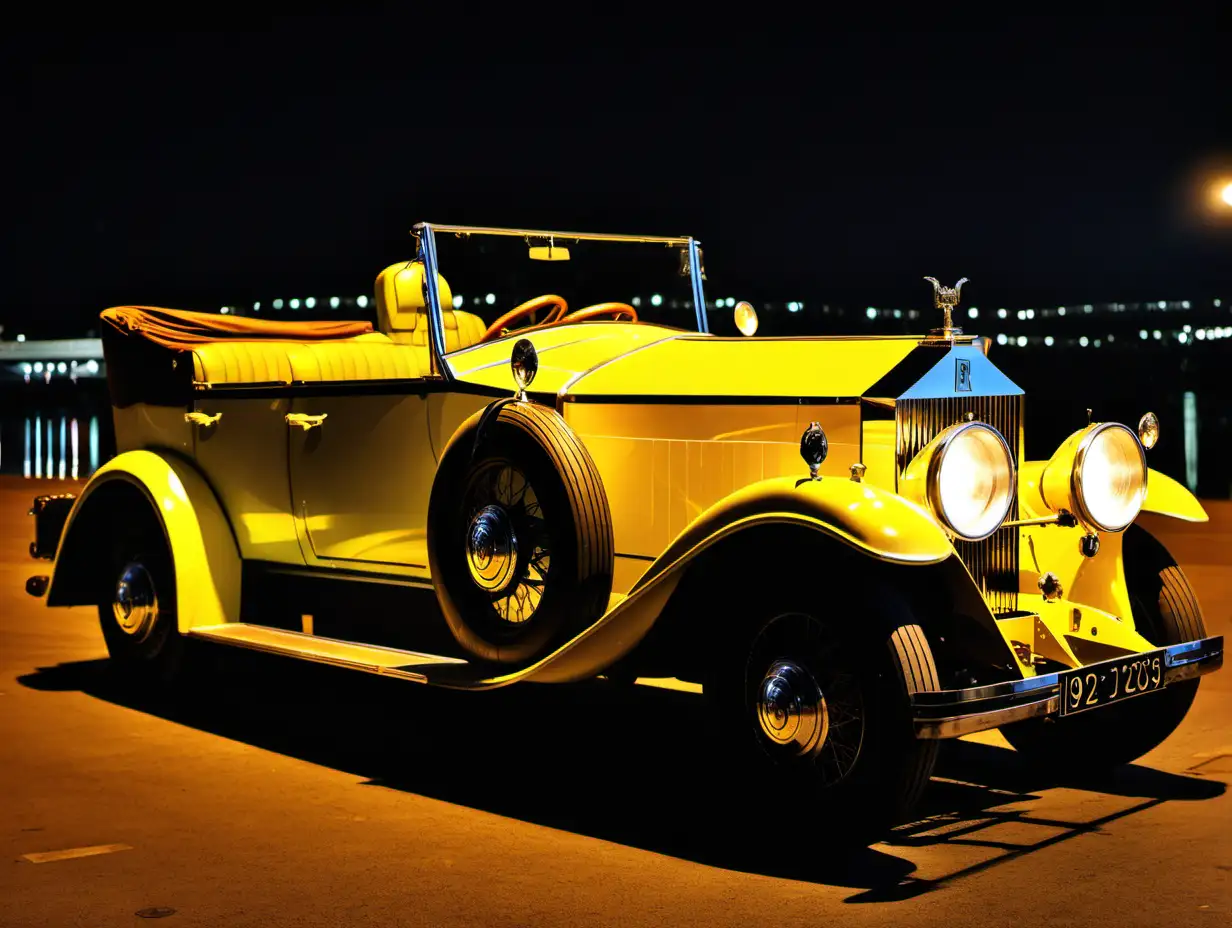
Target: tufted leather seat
{"type": "Point", "coordinates": [231, 361]}
{"type": "Point", "coordinates": [402, 315]}
{"type": "Point", "coordinates": [365, 357]}
{"type": "Point", "coordinates": [369, 357]}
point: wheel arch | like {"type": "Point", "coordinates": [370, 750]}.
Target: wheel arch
{"type": "Point", "coordinates": [834, 522]}
{"type": "Point", "coordinates": [199, 536]}
{"type": "Point", "coordinates": [940, 596]}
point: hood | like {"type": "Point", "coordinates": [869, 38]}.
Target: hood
{"type": "Point", "coordinates": [593, 361]}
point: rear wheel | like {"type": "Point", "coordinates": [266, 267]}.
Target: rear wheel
{"type": "Point", "coordinates": [1165, 612]}
{"type": "Point", "coordinates": [138, 615]}
{"type": "Point", "coordinates": [818, 716]}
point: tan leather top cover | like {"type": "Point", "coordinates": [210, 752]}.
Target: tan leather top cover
{"type": "Point", "coordinates": [181, 329]}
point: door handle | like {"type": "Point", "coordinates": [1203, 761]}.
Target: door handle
{"type": "Point", "coordinates": [305, 421]}
{"type": "Point", "coordinates": [203, 419]}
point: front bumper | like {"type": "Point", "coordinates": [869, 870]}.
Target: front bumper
{"type": "Point", "coordinates": [953, 713]}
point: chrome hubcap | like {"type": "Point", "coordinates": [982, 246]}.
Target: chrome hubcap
{"type": "Point", "coordinates": [492, 549]}
{"type": "Point", "coordinates": [791, 709]}
{"type": "Point", "coordinates": [136, 602]}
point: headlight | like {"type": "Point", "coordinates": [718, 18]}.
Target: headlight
{"type": "Point", "coordinates": [966, 476]}
{"type": "Point", "coordinates": [1108, 484]}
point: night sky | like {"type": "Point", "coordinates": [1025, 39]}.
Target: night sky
{"type": "Point", "coordinates": [1045, 159]}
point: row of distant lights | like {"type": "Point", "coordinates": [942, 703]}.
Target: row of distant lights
{"type": "Point", "coordinates": [793, 306]}
{"type": "Point", "coordinates": [973, 312]}
{"type": "Point", "coordinates": [90, 367]}
{"type": "Point", "coordinates": [1186, 336]}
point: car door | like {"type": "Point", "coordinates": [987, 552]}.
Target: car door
{"type": "Point", "coordinates": [362, 467]}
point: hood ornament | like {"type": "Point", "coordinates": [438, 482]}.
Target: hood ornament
{"type": "Point", "coordinates": [946, 298]}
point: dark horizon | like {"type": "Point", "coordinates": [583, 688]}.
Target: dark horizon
{"type": "Point", "coordinates": [1052, 161]}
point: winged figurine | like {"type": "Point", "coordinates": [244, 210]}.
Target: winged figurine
{"type": "Point", "coordinates": [946, 298]}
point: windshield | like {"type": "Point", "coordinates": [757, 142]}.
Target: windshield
{"type": "Point", "coordinates": [580, 276]}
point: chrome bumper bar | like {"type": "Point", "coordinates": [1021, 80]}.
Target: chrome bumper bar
{"type": "Point", "coordinates": [953, 713]}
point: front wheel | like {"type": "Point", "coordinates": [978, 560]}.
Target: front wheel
{"type": "Point", "coordinates": [818, 715]}
{"type": "Point", "coordinates": [138, 613]}
{"type": "Point", "coordinates": [1165, 612]}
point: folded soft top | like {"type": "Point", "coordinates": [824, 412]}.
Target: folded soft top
{"type": "Point", "coordinates": [181, 329]}
{"type": "Point", "coordinates": [149, 350]}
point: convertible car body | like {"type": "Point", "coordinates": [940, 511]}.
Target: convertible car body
{"type": "Point", "coordinates": [560, 494]}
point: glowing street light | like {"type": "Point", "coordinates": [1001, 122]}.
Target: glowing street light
{"type": "Point", "coordinates": [1226, 193]}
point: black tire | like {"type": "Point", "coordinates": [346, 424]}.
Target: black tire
{"type": "Point", "coordinates": [870, 770]}
{"type": "Point", "coordinates": [151, 651]}
{"type": "Point", "coordinates": [1165, 612]}
{"type": "Point", "coordinates": [554, 501]}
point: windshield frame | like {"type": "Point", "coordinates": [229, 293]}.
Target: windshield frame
{"type": "Point", "coordinates": [425, 237]}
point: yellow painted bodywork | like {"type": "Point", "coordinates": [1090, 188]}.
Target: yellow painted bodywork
{"type": "Point", "coordinates": [204, 552]}
{"type": "Point", "coordinates": [695, 438]}
{"type": "Point", "coordinates": [864, 517]}
{"type": "Point", "coordinates": [1059, 631]}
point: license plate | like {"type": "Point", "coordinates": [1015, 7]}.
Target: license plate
{"type": "Point", "coordinates": [1091, 687]}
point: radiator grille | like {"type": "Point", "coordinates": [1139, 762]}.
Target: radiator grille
{"type": "Point", "coordinates": [993, 562]}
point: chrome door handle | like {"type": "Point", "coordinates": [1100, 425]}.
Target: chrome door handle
{"type": "Point", "coordinates": [305, 421]}
{"type": "Point", "coordinates": [203, 419]}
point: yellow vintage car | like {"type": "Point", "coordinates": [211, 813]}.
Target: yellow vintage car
{"type": "Point", "coordinates": [834, 540]}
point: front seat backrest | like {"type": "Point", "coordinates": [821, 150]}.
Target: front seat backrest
{"type": "Point", "coordinates": [403, 315]}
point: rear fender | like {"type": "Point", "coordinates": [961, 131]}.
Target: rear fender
{"type": "Point", "coordinates": [202, 545]}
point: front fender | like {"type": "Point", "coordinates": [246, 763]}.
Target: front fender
{"type": "Point", "coordinates": [875, 522]}
{"type": "Point", "coordinates": [1167, 497]}
{"type": "Point", "coordinates": [1164, 496]}
{"type": "Point", "coordinates": [871, 520]}
{"type": "Point", "coordinates": [203, 547]}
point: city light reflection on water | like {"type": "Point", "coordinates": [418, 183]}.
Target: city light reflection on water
{"type": "Point", "coordinates": [54, 451]}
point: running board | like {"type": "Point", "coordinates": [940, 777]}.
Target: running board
{"type": "Point", "coordinates": [390, 662]}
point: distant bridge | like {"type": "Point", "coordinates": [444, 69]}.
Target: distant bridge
{"type": "Point", "coordinates": [50, 359]}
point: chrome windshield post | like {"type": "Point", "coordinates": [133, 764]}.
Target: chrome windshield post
{"type": "Point", "coordinates": [439, 367]}
{"type": "Point", "coordinates": [699, 294]}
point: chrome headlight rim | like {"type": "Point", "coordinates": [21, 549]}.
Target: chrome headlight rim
{"type": "Point", "coordinates": [1075, 481]}
{"type": "Point", "coordinates": [934, 477]}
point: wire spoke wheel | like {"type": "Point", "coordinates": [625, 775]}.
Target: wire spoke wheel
{"type": "Point", "coordinates": [808, 709]}
{"type": "Point", "coordinates": [519, 534]}
{"type": "Point", "coordinates": [500, 501]}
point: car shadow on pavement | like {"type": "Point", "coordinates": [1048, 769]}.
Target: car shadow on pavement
{"type": "Point", "coordinates": [622, 764]}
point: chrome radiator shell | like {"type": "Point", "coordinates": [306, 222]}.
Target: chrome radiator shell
{"type": "Point", "coordinates": [993, 562]}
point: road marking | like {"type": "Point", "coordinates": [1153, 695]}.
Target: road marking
{"type": "Point", "coordinates": [45, 857]}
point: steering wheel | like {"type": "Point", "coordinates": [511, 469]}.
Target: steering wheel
{"type": "Point", "coordinates": [616, 310]}
{"type": "Point", "coordinates": [525, 309]}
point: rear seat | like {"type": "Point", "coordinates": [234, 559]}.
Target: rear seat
{"type": "Point", "coordinates": [364, 357]}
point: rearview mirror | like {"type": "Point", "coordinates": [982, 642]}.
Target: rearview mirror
{"type": "Point", "coordinates": [549, 252]}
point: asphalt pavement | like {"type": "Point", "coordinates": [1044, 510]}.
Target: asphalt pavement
{"type": "Point", "coordinates": [286, 794]}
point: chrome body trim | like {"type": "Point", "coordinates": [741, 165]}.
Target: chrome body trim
{"type": "Point", "coordinates": [549, 234]}
{"type": "Point", "coordinates": [699, 292]}
{"type": "Point", "coordinates": [438, 366]}
{"type": "Point", "coordinates": [953, 713]}
{"type": "Point", "coordinates": [1075, 477]}
{"type": "Point", "coordinates": [370, 658]}
{"type": "Point", "coordinates": [933, 482]}
{"type": "Point", "coordinates": [993, 562]}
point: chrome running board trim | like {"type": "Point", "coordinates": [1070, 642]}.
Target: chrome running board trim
{"type": "Point", "coordinates": [370, 658]}
{"type": "Point", "coordinates": [954, 713]}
